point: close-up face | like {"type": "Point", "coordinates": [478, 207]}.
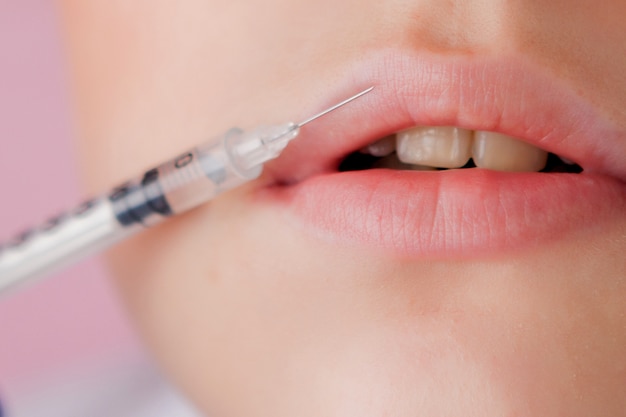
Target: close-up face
{"type": "Point", "coordinates": [469, 263]}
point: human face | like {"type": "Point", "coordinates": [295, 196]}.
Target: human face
{"type": "Point", "coordinates": [454, 293]}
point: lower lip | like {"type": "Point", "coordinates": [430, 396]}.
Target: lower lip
{"type": "Point", "coordinates": [455, 213]}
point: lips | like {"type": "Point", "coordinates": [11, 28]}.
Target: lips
{"type": "Point", "coordinates": [454, 213]}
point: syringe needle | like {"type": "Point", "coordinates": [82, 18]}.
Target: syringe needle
{"type": "Point", "coordinates": [174, 187]}
{"type": "Point", "coordinates": [335, 107]}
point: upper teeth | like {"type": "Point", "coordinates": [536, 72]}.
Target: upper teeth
{"type": "Point", "coordinates": [504, 153]}
{"type": "Point", "coordinates": [444, 147]}
{"type": "Point", "coordinates": [452, 147]}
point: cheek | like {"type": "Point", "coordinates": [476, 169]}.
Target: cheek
{"type": "Point", "coordinates": [237, 304]}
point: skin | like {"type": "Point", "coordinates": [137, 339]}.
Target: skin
{"type": "Point", "coordinates": [295, 325]}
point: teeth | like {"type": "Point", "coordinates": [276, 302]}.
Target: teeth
{"type": "Point", "coordinates": [505, 153]}
{"type": "Point", "coordinates": [383, 147]}
{"type": "Point", "coordinates": [424, 148]}
{"type": "Point", "coordinates": [444, 147]}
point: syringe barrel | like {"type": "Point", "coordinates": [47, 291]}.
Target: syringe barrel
{"type": "Point", "coordinates": [171, 188]}
{"type": "Point", "coordinates": [60, 241]}
{"type": "Point", "coordinates": [181, 184]}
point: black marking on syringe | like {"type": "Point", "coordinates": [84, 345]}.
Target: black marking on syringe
{"type": "Point", "coordinates": [154, 193]}
{"type": "Point", "coordinates": [137, 204]}
{"type": "Point", "coordinates": [85, 207]}
{"type": "Point", "coordinates": [122, 213]}
{"type": "Point", "coordinates": [20, 239]}
{"type": "Point", "coordinates": [183, 160]}
{"type": "Point", "coordinates": [26, 235]}
{"type": "Point", "coordinates": [134, 203]}
{"type": "Point", "coordinates": [52, 223]}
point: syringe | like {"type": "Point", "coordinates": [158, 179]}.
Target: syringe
{"type": "Point", "coordinates": [173, 187]}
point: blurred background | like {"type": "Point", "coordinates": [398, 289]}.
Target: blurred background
{"type": "Point", "coordinates": [69, 325]}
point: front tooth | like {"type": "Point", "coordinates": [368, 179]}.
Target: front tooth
{"type": "Point", "coordinates": [443, 147]}
{"type": "Point", "coordinates": [505, 153]}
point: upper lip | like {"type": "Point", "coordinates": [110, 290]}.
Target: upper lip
{"type": "Point", "coordinates": [509, 96]}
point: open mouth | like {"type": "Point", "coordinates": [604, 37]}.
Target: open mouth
{"type": "Point", "coordinates": [492, 166]}
{"type": "Point", "coordinates": [441, 148]}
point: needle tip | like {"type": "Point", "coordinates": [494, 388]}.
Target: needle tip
{"type": "Point", "coordinates": [336, 106]}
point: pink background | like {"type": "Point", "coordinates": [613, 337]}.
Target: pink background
{"type": "Point", "coordinates": [71, 319]}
